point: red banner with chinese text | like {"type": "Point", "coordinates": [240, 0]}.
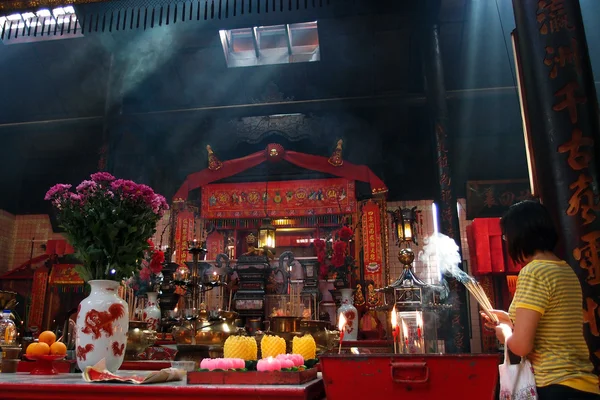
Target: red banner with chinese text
{"type": "Point", "coordinates": [38, 297]}
{"type": "Point", "coordinates": [215, 245]}
{"type": "Point", "coordinates": [371, 237]}
{"type": "Point", "coordinates": [280, 199]}
{"type": "Point", "coordinates": [64, 274]}
{"type": "Point", "coordinates": [183, 235]}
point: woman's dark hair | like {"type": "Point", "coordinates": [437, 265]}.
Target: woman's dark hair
{"type": "Point", "coordinates": [528, 228]}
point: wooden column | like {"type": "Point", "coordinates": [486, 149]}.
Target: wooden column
{"type": "Point", "coordinates": [562, 126]}
{"type": "Point", "coordinates": [459, 340]}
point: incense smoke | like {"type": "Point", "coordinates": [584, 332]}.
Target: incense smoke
{"type": "Point", "coordinates": [444, 251]}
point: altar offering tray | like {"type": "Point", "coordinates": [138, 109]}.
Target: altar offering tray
{"type": "Point", "coordinates": [252, 377]}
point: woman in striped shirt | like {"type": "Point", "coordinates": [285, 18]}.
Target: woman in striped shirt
{"type": "Point", "coordinates": [545, 319]}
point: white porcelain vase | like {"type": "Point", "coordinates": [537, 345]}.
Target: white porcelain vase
{"type": "Point", "coordinates": [350, 313]}
{"type": "Point", "coordinates": [102, 325]}
{"type": "Point", "coordinates": [151, 313]}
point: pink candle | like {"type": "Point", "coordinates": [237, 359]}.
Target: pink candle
{"type": "Point", "coordinates": [268, 364]}
{"type": "Point", "coordinates": [275, 364]}
{"type": "Point", "coordinates": [287, 363]}
{"type": "Point", "coordinates": [206, 363]}
{"type": "Point", "coordinates": [298, 360]}
{"type": "Point", "coordinates": [261, 365]}
{"type": "Point", "coordinates": [226, 363]}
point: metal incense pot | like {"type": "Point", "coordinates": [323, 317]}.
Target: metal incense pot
{"type": "Point", "coordinates": [416, 305]}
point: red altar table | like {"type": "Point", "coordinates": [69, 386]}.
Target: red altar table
{"type": "Point", "coordinates": [72, 387]}
{"type": "Point", "coordinates": [65, 366]}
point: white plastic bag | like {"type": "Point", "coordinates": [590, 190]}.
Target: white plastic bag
{"type": "Point", "coordinates": [517, 381]}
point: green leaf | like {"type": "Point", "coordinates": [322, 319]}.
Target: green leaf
{"type": "Point", "coordinates": [84, 273]}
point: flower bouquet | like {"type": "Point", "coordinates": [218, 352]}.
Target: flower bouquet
{"type": "Point", "coordinates": [108, 221]}
{"type": "Point", "coordinates": [334, 257]}
{"type": "Point", "coordinates": [150, 276]}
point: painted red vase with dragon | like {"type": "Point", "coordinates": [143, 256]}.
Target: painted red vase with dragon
{"type": "Point", "coordinates": [102, 325]}
{"type": "Point", "coordinates": [151, 313]}
{"type": "Point", "coordinates": [350, 313]}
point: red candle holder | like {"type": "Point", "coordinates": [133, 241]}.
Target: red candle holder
{"type": "Point", "coordinates": [44, 364]}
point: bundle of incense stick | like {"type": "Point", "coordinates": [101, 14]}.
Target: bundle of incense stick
{"type": "Point", "coordinates": [477, 291]}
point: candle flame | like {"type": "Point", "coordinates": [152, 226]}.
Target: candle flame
{"type": "Point", "coordinates": [342, 322]}
{"type": "Point", "coordinates": [394, 320]}
{"type": "Point", "coordinates": [419, 320]}
{"type": "Point", "coordinates": [405, 330]}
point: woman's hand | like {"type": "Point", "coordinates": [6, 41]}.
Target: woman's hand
{"type": "Point", "coordinates": [503, 332]}
{"type": "Point", "coordinates": [502, 316]}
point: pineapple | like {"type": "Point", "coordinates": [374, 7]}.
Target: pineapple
{"type": "Point", "coordinates": [243, 347]}
{"type": "Point", "coordinates": [272, 346]}
{"type": "Point", "coordinates": [305, 346]}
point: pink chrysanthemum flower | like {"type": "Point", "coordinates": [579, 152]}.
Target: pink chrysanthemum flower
{"type": "Point", "coordinates": [102, 177]}
{"type": "Point", "coordinates": [57, 190]}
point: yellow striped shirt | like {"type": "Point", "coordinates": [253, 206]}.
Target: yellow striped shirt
{"type": "Point", "coordinates": [560, 354]}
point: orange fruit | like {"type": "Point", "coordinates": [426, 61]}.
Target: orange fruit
{"type": "Point", "coordinates": [47, 337]}
{"type": "Point", "coordinates": [37, 349]}
{"type": "Point", "coordinates": [58, 349]}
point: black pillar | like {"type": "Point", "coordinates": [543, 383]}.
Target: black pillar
{"type": "Point", "coordinates": [561, 110]}
{"type": "Point", "coordinates": [458, 340]}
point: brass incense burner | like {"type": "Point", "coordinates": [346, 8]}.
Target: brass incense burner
{"type": "Point", "coordinates": [214, 330]}
{"type": "Point", "coordinates": [284, 324]}
{"type": "Point", "coordinates": [139, 338]}
{"type": "Point", "coordinates": [203, 336]}
{"type": "Point", "coordinates": [324, 338]}
{"type": "Point", "coordinates": [208, 329]}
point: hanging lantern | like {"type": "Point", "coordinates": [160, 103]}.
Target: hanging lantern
{"type": "Point", "coordinates": [266, 235]}
{"type": "Point", "coordinates": [405, 220]}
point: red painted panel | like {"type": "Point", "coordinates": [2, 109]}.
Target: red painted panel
{"type": "Point", "coordinates": [408, 377]}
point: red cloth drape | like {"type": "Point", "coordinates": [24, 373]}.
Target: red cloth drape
{"type": "Point", "coordinates": [487, 249]}
{"type": "Point", "coordinates": [58, 247]}
{"type": "Point", "coordinates": [481, 244]}
{"type": "Point", "coordinates": [496, 249]}
{"type": "Point", "coordinates": [315, 163]}
{"type": "Point", "coordinates": [38, 297]}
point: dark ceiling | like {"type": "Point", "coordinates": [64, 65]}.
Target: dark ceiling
{"type": "Point", "coordinates": [55, 94]}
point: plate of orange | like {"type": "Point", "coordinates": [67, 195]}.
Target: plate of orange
{"type": "Point", "coordinates": [45, 351]}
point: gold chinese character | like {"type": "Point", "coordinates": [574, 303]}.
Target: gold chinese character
{"type": "Point", "coordinates": [566, 54]}
{"type": "Point", "coordinates": [372, 257]}
{"type": "Point", "coordinates": [490, 199]}
{"type": "Point", "coordinates": [588, 258]}
{"type": "Point", "coordinates": [507, 198]}
{"type": "Point", "coordinates": [589, 315]}
{"type": "Point", "coordinates": [551, 14]}
{"type": "Point", "coordinates": [370, 212]}
{"type": "Point", "coordinates": [571, 100]}
{"type": "Point", "coordinates": [578, 160]}
{"type": "Point", "coordinates": [582, 199]}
